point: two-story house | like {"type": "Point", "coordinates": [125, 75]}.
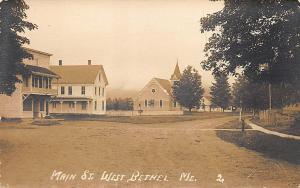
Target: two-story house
{"type": "Point", "coordinates": [31, 97]}
{"type": "Point", "coordinates": [81, 89]}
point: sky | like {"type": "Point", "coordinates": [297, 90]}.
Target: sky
{"type": "Point", "coordinates": [135, 40]}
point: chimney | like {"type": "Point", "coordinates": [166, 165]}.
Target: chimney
{"type": "Point", "coordinates": [60, 62]}
{"type": "Point", "coordinates": [89, 62]}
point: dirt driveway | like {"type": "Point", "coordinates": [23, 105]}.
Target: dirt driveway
{"type": "Point", "coordinates": [164, 152]}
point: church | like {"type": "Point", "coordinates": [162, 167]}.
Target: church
{"type": "Point", "coordinates": [157, 96]}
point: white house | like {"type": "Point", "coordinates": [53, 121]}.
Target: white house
{"type": "Point", "coordinates": [81, 89]}
{"type": "Point", "coordinates": [31, 97]}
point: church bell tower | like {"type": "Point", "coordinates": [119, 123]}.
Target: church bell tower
{"type": "Point", "coordinates": [176, 75]}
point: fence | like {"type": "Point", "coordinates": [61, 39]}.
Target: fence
{"type": "Point", "coordinates": [276, 117]}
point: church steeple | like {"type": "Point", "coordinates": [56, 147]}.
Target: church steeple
{"type": "Point", "coordinates": [176, 75]}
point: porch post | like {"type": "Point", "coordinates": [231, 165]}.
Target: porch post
{"type": "Point", "coordinates": [75, 105]}
{"type": "Point", "coordinates": [88, 106]}
{"type": "Point", "coordinates": [61, 106]}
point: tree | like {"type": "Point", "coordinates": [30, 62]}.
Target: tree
{"type": "Point", "coordinates": [220, 92]}
{"type": "Point", "coordinates": [250, 96]}
{"type": "Point", "coordinates": [188, 90]}
{"type": "Point", "coordinates": [119, 104]}
{"type": "Point", "coordinates": [251, 33]}
{"type": "Point", "coordinates": [12, 24]}
{"type": "Point", "coordinates": [255, 96]}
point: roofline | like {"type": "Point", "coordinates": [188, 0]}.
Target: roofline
{"type": "Point", "coordinates": [153, 79]}
{"type": "Point", "coordinates": [37, 51]}
{"type": "Point", "coordinates": [156, 80]}
{"type": "Point", "coordinates": [44, 74]}
{"type": "Point", "coordinates": [101, 70]}
{"type": "Point", "coordinates": [68, 65]}
{"type": "Point", "coordinates": [72, 99]}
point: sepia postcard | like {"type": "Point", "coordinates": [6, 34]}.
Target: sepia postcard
{"type": "Point", "coordinates": [149, 93]}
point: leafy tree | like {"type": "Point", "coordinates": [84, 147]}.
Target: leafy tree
{"type": "Point", "coordinates": [12, 24]}
{"type": "Point", "coordinates": [250, 96]}
{"type": "Point", "coordinates": [251, 33]}
{"type": "Point", "coordinates": [188, 90]}
{"type": "Point", "coordinates": [119, 104]}
{"type": "Point", "coordinates": [255, 96]}
{"type": "Point", "coordinates": [220, 92]}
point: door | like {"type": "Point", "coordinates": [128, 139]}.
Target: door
{"type": "Point", "coordinates": [36, 106]}
{"type": "Point", "coordinates": [47, 107]}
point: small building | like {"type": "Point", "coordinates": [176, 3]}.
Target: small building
{"type": "Point", "coordinates": [31, 97]}
{"type": "Point", "coordinates": [81, 89]}
{"type": "Point", "coordinates": [157, 95]}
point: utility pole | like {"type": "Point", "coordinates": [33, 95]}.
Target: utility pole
{"type": "Point", "coordinates": [270, 96]}
{"type": "Point", "coordinates": [241, 109]}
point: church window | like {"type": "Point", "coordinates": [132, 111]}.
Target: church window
{"type": "Point", "coordinates": [161, 103]}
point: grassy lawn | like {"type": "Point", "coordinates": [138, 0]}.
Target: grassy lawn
{"type": "Point", "coordinates": [150, 119]}
{"type": "Point", "coordinates": [269, 145]}
{"type": "Point", "coordinates": [292, 129]}
{"type": "Point", "coordinates": [235, 124]}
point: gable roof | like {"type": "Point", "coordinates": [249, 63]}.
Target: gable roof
{"type": "Point", "coordinates": [36, 51]}
{"type": "Point", "coordinates": [78, 74]}
{"type": "Point", "coordinates": [165, 84]}
{"type": "Point", "coordinates": [176, 75]}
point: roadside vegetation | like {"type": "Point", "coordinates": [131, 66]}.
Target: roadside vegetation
{"type": "Point", "coordinates": [148, 119]}
{"type": "Point", "coordinates": [235, 124]}
{"type": "Point", "coordinates": [268, 145]}
{"type": "Point", "coordinates": [292, 128]}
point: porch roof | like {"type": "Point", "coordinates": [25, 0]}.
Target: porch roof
{"type": "Point", "coordinates": [70, 99]}
{"type": "Point", "coordinates": [40, 71]}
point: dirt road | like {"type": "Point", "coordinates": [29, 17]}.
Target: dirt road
{"type": "Point", "coordinates": [164, 152]}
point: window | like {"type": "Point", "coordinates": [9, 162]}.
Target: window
{"type": "Point", "coordinates": [151, 103]}
{"type": "Point", "coordinates": [26, 81]}
{"type": "Point", "coordinates": [42, 106]}
{"type": "Point", "coordinates": [35, 81]}
{"type": "Point", "coordinates": [82, 90]}
{"type": "Point", "coordinates": [146, 103]}
{"type": "Point", "coordinates": [153, 91]}
{"type": "Point", "coordinates": [83, 106]}
{"type": "Point", "coordinates": [32, 81]}
{"type": "Point", "coordinates": [46, 83]}
{"type": "Point", "coordinates": [95, 105]}
{"type": "Point", "coordinates": [70, 91]}
{"type": "Point", "coordinates": [161, 103]}
{"type": "Point", "coordinates": [27, 104]}
{"type": "Point", "coordinates": [71, 105]}
{"type": "Point", "coordinates": [50, 83]}
{"type": "Point", "coordinates": [54, 105]}
{"type": "Point", "coordinates": [40, 82]}
{"type": "Point", "coordinates": [99, 77]}
{"type": "Point", "coordinates": [99, 92]}
{"type": "Point", "coordinates": [62, 90]}
{"type": "Point", "coordinates": [95, 91]}
{"type": "Point", "coordinates": [103, 92]}
{"type": "Point", "coordinates": [103, 106]}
